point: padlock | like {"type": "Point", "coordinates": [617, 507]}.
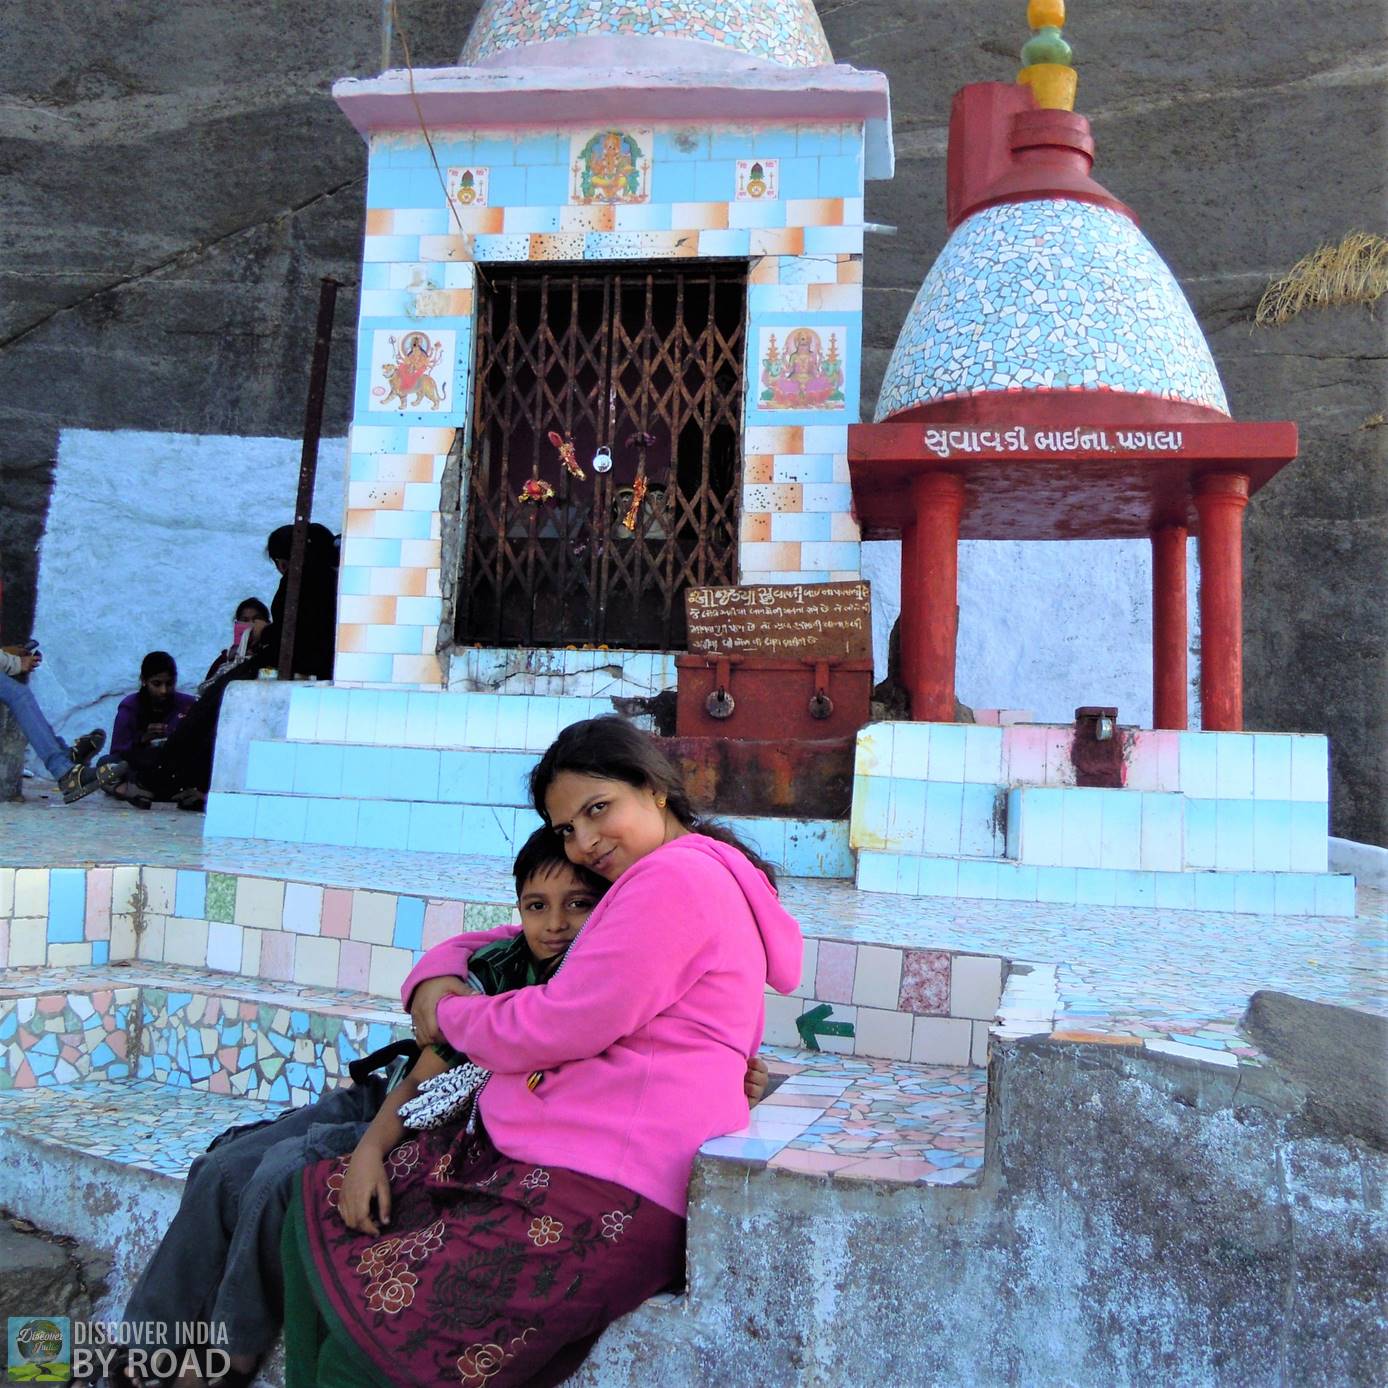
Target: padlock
{"type": "Point", "coordinates": [821, 705]}
{"type": "Point", "coordinates": [720, 704]}
{"type": "Point", "coordinates": [602, 459]}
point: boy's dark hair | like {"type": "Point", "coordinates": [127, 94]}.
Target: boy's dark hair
{"type": "Point", "coordinates": [542, 852]}
{"type": "Point", "coordinates": [616, 750]}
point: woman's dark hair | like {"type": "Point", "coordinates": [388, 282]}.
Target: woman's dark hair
{"type": "Point", "coordinates": [321, 545]}
{"type": "Point", "coordinates": [616, 750]}
{"type": "Point", "coordinates": [542, 852]}
{"type": "Point", "coordinates": [262, 612]}
{"type": "Point", "coordinates": [158, 663]}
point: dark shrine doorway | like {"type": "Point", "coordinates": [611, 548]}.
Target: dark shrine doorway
{"type": "Point", "coordinates": [646, 363]}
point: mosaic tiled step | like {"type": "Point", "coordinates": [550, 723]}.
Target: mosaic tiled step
{"type": "Point", "coordinates": [865, 1120]}
{"type": "Point", "coordinates": [186, 1028]}
{"type": "Point", "coordinates": [1243, 893]}
{"type": "Point", "coordinates": [139, 1123]}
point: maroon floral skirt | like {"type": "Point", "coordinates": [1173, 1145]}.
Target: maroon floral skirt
{"type": "Point", "coordinates": [493, 1272]}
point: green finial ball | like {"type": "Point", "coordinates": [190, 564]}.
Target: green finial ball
{"type": "Point", "coordinates": [1046, 46]}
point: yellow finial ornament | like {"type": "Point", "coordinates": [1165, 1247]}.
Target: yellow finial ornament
{"type": "Point", "coordinates": [1046, 57]}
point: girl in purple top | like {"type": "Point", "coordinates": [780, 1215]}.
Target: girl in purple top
{"type": "Point", "coordinates": [144, 721]}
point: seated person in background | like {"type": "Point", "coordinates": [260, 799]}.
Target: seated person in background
{"type": "Point", "coordinates": [67, 765]}
{"type": "Point", "coordinates": [145, 721]}
{"type": "Point", "coordinates": [219, 1260]}
{"type": "Point", "coordinates": [252, 617]}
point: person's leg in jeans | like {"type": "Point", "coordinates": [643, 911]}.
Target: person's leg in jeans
{"type": "Point", "coordinates": [250, 1302]}
{"type": "Point", "coordinates": [186, 1278]}
{"type": "Point", "coordinates": [52, 751]}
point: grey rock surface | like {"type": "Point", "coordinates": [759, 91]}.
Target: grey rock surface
{"type": "Point", "coordinates": [177, 179]}
{"type": "Point", "coordinates": [1338, 1056]}
{"type": "Point", "coordinates": [44, 1275]}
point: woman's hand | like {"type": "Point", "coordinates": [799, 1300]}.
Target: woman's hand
{"type": "Point", "coordinates": [29, 662]}
{"type": "Point", "coordinates": [755, 1081]}
{"type": "Point", "coordinates": [366, 1180]}
{"type": "Point", "coordinates": [424, 1005]}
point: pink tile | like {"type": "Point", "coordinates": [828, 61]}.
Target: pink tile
{"type": "Point", "coordinates": [1140, 771]}
{"type": "Point", "coordinates": [442, 921]}
{"type": "Point", "coordinates": [1025, 746]}
{"type": "Point", "coordinates": [337, 913]}
{"type": "Point", "coordinates": [1168, 760]}
{"type": "Point", "coordinates": [99, 903]}
{"type": "Point", "coordinates": [354, 965]}
{"type": "Point", "coordinates": [277, 955]}
{"type": "Point", "coordinates": [837, 965]}
{"type": "Point", "coordinates": [886, 1169]}
{"type": "Point", "coordinates": [1060, 770]}
{"type": "Point", "coordinates": [811, 1163]}
{"type": "Point", "coordinates": [925, 980]}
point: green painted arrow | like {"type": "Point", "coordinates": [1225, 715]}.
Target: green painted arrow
{"type": "Point", "coordinates": [816, 1022]}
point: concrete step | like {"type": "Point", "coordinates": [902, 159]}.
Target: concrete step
{"type": "Point", "coordinates": [1094, 828]}
{"type": "Point", "coordinates": [981, 879]}
{"type": "Point", "coordinates": [474, 822]}
{"type": "Point", "coordinates": [104, 1161]}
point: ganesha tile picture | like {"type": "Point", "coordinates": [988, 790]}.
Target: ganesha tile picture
{"type": "Point", "coordinates": [411, 369]}
{"type": "Point", "coordinates": [802, 368]}
{"type": "Point", "coordinates": [611, 166]}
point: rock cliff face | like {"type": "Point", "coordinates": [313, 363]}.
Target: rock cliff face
{"type": "Point", "coordinates": [177, 179]}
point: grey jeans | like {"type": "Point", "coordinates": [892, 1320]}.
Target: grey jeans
{"type": "Point", "coordinates": [219, 1261]}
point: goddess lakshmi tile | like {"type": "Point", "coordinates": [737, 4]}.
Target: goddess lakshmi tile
{"type": "Point", "coordinates": [802, 368]}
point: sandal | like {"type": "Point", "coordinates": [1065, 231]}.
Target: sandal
{"type": "Point", "coordinates": [82, 780]}
{"type": "Point", "coordinates": [88, 745]}
{"type": "Point", "coordinates": [134, 795]}
{"type": "Point", "coordinates": [191, 799]}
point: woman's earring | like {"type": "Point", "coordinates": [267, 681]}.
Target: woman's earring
{"type": "Point", "coordinates": [660, 802]}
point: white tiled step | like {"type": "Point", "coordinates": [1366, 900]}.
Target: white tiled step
{"type": "Point", "coordinates": [434, 718]}
{"type": "Point", "coordinates": [445, 774]}
{"type": "Point", "coordinates": [800, 847]}
{"type": "Point", "coordinates": [1263, 893]}
{"type": "Point", "coordinates": [1094, 828]}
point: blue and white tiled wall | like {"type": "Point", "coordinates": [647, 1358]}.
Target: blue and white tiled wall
{"type": "Point", "coordinates": [802, 234]}
{"type": "Point", "coordinates": [1208, 821]}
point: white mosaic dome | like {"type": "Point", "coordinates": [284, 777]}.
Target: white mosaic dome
{"type": "Point", "coordinates": [1051, 294]}
{"type": "Point", "coordinates": [557, 32]}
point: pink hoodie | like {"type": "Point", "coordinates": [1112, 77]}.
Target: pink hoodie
{"type": "Point", "coordinates": [644, 1032]}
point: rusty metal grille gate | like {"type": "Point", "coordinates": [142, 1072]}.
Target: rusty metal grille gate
{"type": "Point", "coordinates": [647, 363]}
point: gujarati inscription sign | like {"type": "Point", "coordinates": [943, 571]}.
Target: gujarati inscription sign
{"type": "Point", "coordinates": [809, 621]}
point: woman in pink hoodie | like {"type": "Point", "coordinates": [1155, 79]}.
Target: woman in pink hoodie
{"type": "Point", "coordinates": [517, 1236]}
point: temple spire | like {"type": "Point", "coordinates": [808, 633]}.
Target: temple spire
{"type": "Point", "coordinates": [1046, 57]}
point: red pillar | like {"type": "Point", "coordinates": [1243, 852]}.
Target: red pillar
{"type": "Point", "coordinates": [1220, 498]}
{"type": "Point", "coordinates": [930, 595]}
{"type": "Point", "coordinates": [1169, 619]}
